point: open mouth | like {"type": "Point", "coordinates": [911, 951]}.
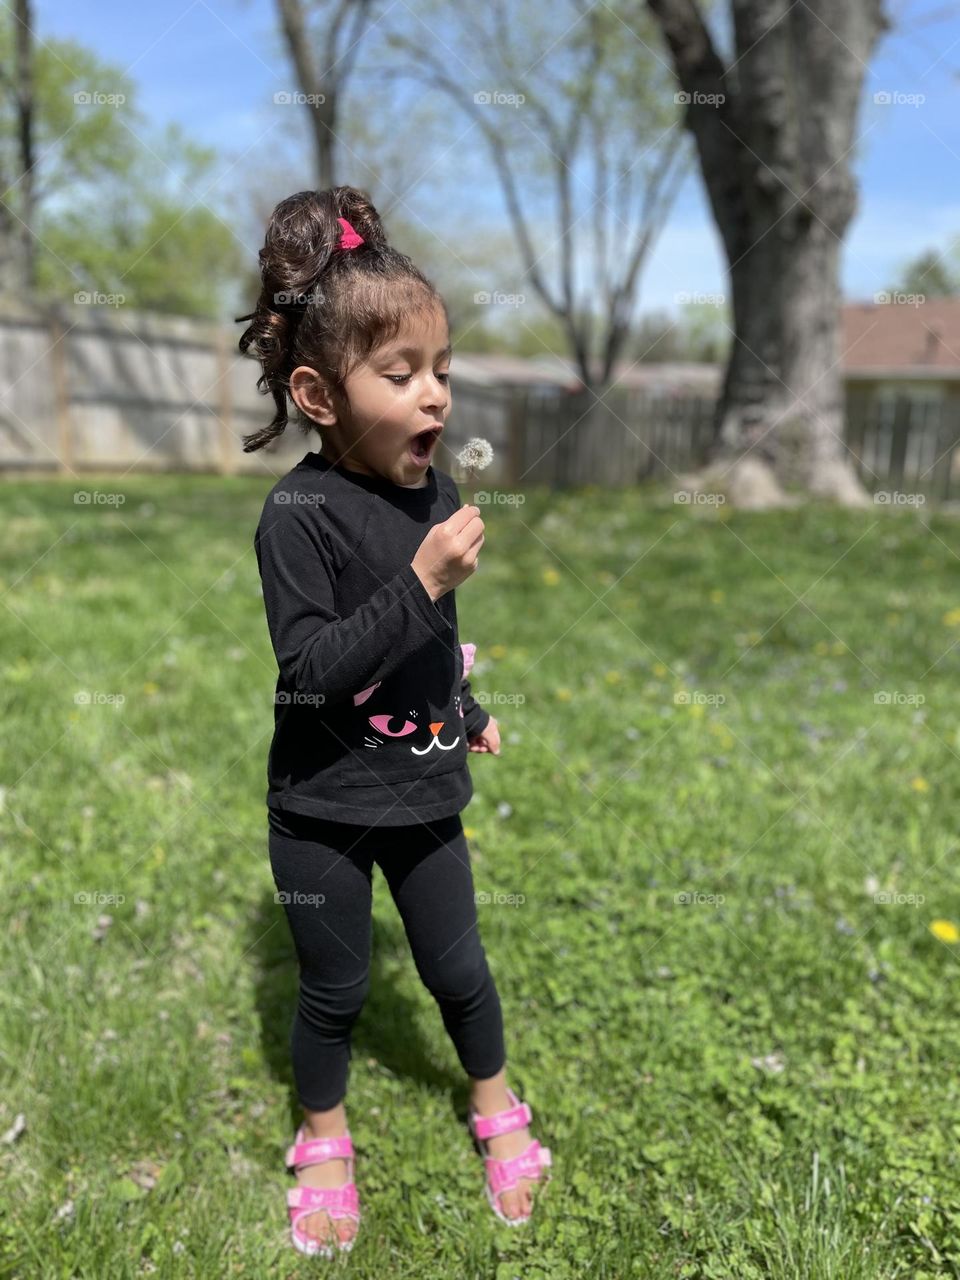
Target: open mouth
{"type": "Point", "coordinates": [421, 446]}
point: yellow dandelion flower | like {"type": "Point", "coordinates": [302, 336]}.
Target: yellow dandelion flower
{"type": "Point", "coordinates": [151, 688]}
{"type": "Point", "coordinates": [952, 618]}
{"type": "Point", "coordinates": [920, 784]}
{"type": "Point", "coordinates": [718, 596]}
{"type": "Point", "coordinates": [945, 930]}
{"type": "Point", "coordinates": [497, 651]}
{"type": "Point", "coordinates": [551, 577]}
{"type": "Point", "coordinates": [564, 695]}
{"type": "Point", "coordinates": [469, 832]}
{"type": "Point", "coordinates": [659, 670]}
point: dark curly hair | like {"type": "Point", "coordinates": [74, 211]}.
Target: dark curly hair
{"type": "Point", "coordinates": [324, 307]}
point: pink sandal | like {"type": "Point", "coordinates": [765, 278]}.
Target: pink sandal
{"type": "Point", "coordinates": [338, 1202]}
{"type": "Point", "coordinates": [503, 1175]}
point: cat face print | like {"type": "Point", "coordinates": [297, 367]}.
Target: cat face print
{"type": "Point", "coordinates": [430, 738]}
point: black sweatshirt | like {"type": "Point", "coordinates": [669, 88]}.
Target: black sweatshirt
{"type": "Point", "coordinates": [372, 710]}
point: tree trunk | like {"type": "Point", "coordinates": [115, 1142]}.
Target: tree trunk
{"type": "Point", "coordinates": [774, 132]}
{"type": "Point", "coordinates": [23, 24]}
{"type": "Point", "coordinates": [319, 91]}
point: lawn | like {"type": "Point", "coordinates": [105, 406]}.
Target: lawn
{"type": "Point", "coordinates": [716, 862]}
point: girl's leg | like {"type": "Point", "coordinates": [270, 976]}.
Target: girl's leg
{"type": "Point", "coordinates": [428, 870]}
{"type": "Point", "coordinates": [324, 879]}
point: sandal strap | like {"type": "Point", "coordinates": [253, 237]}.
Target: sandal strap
{"type": "Point", "coordinates": [515, 1117]}
{"type": "Point", "coordinates": [317, 1150]}
{"type": "Point", "coordinates": [503, 1175]}
{"type": "Point", "coordinates": [339, 1202]}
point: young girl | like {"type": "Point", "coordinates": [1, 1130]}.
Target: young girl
{"type": "Point", "coordinates": [360, 547]}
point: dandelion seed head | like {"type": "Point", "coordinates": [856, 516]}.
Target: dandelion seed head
{"type": "Point", "coordinates": [475, 454]}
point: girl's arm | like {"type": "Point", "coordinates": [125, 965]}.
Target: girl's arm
{"type": "Point", "coordinates": [317, 651]}
{"type": "Point", "coordinates": [475, 717]}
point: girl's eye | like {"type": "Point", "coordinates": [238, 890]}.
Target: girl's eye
{"type": "Point", "coordinates": [401, 379]}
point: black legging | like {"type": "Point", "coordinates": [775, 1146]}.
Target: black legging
{"type": "Point", "coordinates": [324, 873]}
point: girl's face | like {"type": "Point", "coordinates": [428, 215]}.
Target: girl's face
{"type": "Point", "coordinates": [399, 399]}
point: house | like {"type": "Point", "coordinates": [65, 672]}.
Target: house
{"type": "Point", "coordinates": [902, 346]}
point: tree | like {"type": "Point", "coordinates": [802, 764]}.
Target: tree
{"type": "Point", "coordinates": [151, 239]}
{"type": "Point", "coordinates": [700, 333]}
{"type": "Point", "coordinates": [582, 143]}
{"type": "Point", "coordinates": [931, 274]}
{"type": "Point", "coordinates": [22, 92]}
{"type": "Point", "coordinates": [337, 33]}
{"type": "Point", "coordinates": [774, 127]}
{"type": "Point", "coordinates": [136, 223]}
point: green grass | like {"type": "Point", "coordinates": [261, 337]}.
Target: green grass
{"type": "Point", "coordinates": [760, 1082]}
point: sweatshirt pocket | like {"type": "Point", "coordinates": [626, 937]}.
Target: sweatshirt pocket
{"type": "Point", "coordinates": [431, 751]}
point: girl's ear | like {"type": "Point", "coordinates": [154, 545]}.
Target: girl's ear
{"type": "Point", "coordinates": [313, 396]}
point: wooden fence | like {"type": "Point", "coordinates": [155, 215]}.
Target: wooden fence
{"type": "Point", "coordinates": [87, 388]}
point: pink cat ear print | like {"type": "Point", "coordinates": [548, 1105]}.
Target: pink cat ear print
{"type": "Point", "coordinates": [468, 651]}
{"type": "Point", "coordinates": [364, 694]}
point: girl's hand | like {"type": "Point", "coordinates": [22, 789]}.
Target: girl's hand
{"type": "Point", "coordinates": [488, 739]}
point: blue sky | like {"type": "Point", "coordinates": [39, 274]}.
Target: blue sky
{"type": "Point", "coordinates": [214, 67]}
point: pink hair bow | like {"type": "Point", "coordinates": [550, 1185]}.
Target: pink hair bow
{"type": "Point", "coordinates": [350, 239]}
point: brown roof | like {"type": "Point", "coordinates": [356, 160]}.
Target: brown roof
{"type": "Point", "coordinates": [901, 336]}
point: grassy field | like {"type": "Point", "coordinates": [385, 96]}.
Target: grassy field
{"type": "Point", "coordinates": [719, 854]}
